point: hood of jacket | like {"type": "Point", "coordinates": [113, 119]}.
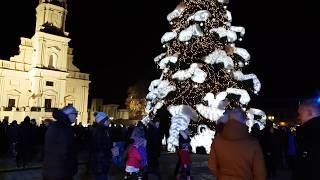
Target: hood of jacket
{"type": "Point", "coordinates": [234, 131]}
{"type": "Point", "coordinates": [61, 117]}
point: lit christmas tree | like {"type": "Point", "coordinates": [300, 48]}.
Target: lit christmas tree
{"type": "Point", "coordinates": [202, 68]}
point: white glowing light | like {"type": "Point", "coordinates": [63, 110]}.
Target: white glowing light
{"type": "Point", "coordinates": [168, 36]}
{"type": "Point", "coordinates": [159, 57]}
{"type": "Point", "coordinates": [239, 76]}
{"type": "Point", "coordinates": [159, 89]}
{"type": "Point", "coordinates": [215, 108]}
{"type": "Point", "coordinates": [238, 29]}
{"type": "Point", "coordinates": [201, 15]}
{"type": "Point", "coordinates": [193, 30]}
{"type": "Point", "coordinates": [243, 53]}
{"type": "Point", "coordinates": [163, 63]}
{"type": "Point", "coordinates": [244, 96]}
{"type": "Point", "coordinates": [175, 13]}
{"type": "Point", "coordinates": [229, 16]}
{"type": "Point", "coordinates": [181, 116]}
{"type": "Point", "coordinates": [203, 138]}
{"type": "Point", "coordinates": [252, 113]}
{"type": "Point", "coordinates": [219, 56]}
{"type": "Point", "coordinates": [194, 72]}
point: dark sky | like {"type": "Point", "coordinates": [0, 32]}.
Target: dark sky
{"type": "Point", "coordinates": [116, 41]}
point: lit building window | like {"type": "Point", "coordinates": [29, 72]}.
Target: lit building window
{"type": "Point", "coordinates": [49, 83]}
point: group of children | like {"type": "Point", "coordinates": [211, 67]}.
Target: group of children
{"type": "Point", "coordinates": [136, 157]}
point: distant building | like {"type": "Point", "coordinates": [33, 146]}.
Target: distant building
{"type": "Point", "coordinates": [112, 110]}
{"type": "Point", "coordinates": [42, 76]}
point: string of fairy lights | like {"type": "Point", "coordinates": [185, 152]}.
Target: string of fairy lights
{"type": "Point", "coordinates": [218, 78]}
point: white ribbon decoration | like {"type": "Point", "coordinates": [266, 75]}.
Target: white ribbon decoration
{"type": "Point", "coordinates": [244, 96]}
{"type": "Point", "coordinates": [239, 76]}
{"type": "Point", "coordinates": [163, 63]}
{"type": "Point", "coordinates": [159, 57]}
{"type": "Point", "coordinates": [193, 30]}
{"type": "Point", "coordinates": [200, 16]}
{"type": "Point", "coordinates": [243, 53]}
{"type": "Point", "coordinates": [168, 36]}
{"type": "Point", "coordinates": [214, 110]}
{"type": "Point", "coordinates": [194, 72]}
{"type": "Point", "coordinates": [181, 115]}
{"type": "Point", "coordinates": [251, 120]}
{"type": "Point", "coordinates": [220, 56]}
{"type": "Point", "coordinates": [175, 13]}
{"type": "Point", "coordinates": [202, 138]}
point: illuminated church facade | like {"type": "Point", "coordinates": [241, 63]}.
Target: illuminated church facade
{"type": "Point", "coordinates": [42, 76]}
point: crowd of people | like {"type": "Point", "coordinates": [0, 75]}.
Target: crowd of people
{"type": "Point", "coordinates": [235, 152]}
{"type": "Point", "coordinates": [132, 150]}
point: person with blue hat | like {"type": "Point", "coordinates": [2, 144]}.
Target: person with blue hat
{"type": "Point", "coordinates": [101, 147]}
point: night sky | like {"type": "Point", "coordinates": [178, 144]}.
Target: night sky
{"type": "Point", "coordinates": [116, 41]}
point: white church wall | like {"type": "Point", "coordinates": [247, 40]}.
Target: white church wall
{"type": "Point", "coordinates": [42, 76]}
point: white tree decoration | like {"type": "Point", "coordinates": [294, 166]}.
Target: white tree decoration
{"type": "Point", "coordinates": [203, 138]}
{"type": "Point", "coordinates": [187, 34]}
{"type": "Point", "coordinates": [214, 110]}
{"type": "Point", "coordinates": [199, 16]}
{"type": "Point", "coordinates": [181, 116]}
{"type": "Point", "coordinates": [175, 13]}
{"type": "Point", "coordinates": [201, 67]}
{"type": "Point", "coordinates": [194, 72]}
{"type": "Point", "coordinates": [251, 113]}
{"type": "Point", "coordinates": [168, 36]}
{"type": "Point", "coordinates": [219, 56]}
{"type": "Point", "coordinates": [238, 75]}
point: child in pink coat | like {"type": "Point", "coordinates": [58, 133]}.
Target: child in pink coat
{"type": "Point", "coordinates": [136, 158]}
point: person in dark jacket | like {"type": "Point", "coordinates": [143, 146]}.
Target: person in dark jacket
{"type": "Point", "coordinates": [154, 147]}
{"type": "Point", "coordinates": [308, 144]}
{"type": "Point", "coordinates": [101, 147]}
{"type": "Point", "coordinates": [184, 137]}
{"type": "Point", "coordinates": [25, 142]}
{"type": "Point", "coordinates": [60, 158]}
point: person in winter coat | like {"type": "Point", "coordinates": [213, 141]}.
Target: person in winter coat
{"type": "Point", "coordinates": [101, 147]}
{"type": "Point", "coordinates": [185, 165]}
{"type": "Point", "coordinates": [235, 155]}
{"type": "Point", "coordinates": [183, 139]}
{"type": "Point", "coordinates": [154, 147]}
{"type": "Point", "coordinates": [60, 158]}
{"type": "Point", "coordinates": [25, 142]}
{"type": "Point", "coordinates": [308, 144]}
{"type": "Point", "coordinates": [137, 161]}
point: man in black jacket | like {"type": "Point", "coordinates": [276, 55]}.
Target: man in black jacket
{"type": "Point", "coordinates": [60, 158]}
{"type": "Point", "coordinates": [308, 144]}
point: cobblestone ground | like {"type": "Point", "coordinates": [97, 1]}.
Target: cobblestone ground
{"type": "Point", "coordinates": [167, 164]}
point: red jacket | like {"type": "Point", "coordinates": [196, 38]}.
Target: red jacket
{"type": "Point", "coordinates": [184, 156]}
{"type": "Point", "coordinates": [134, 157]}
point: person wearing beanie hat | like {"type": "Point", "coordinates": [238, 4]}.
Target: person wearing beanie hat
{"type": "Point", "coordinates": [60, 157]}
{"type": "Point", "coordinates": [234, 153]}
{"type": "Point", "coordinates": [71, 112]}
{"type": "Point", "coordinates": [101, 117]}
{"type": "Point", "coordinates": [101, 147]}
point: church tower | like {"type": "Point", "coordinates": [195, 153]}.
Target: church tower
{"type": "Point", "coordinates": [42, 76]}
{"type": "Point", "coordinates": [52, 61]}
{"type": "Point", "coordinates": [51, 15]}
{"type": "Point", "coordinates": [50, 39]}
